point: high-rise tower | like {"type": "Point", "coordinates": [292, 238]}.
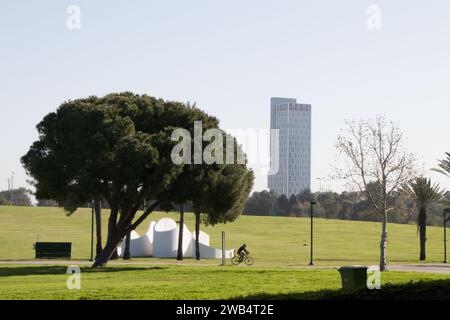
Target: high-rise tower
{"type": "Point", "coordinates": [293, 120]}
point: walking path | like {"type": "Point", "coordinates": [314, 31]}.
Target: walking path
{"type": "Point", "coordinates": [88, 263]}
{"type": "Point", "coordinates": [428, 268]}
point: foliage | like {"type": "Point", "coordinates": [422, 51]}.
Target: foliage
{"type": "Point", "coordinates": [20, 197]}
{"type": "Point", "coordinates": [342, 206]}
{"type": "Point", "coordinates": [423, 191]}
{"type": "Point", "coordinates": [444, 165]}
{"type": "Point", "coordinates": [262, 203]}
{"type": "Point", "coordinates": [118, 148]}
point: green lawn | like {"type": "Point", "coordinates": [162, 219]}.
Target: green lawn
{"type": "Point", "coordinates": [272, 240]}
{"type": "Point", "coordinates": [277, 243]}
{"type": "Point", "coordinates": [179, 282]}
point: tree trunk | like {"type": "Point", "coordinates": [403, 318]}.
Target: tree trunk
{"type": "Point", "coordinates": [197, 235]}
{"type": "Point", "coordinates": [117, 231]}
{"type": "Point", "coordinates": [126, 253]}
{"type": "Point", "coordinates": [117, 235]}
{"type": "Point", "coordinates": [180, 234]}
{"type": "Point", "coordinates": [114, 255]}
{"type": "Point", "coordinates": [107, 252]}
{"type": "Point", "coordinates": [112, 230]}
{"type": "Point", "coordinates": [98, 226]}
{"type": "Point", "coordinates": [383, 243]}
{"type": "Point", "coordinates": [422, 221]}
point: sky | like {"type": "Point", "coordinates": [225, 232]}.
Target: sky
{"type": "Point", "coordinates": [230, 57]}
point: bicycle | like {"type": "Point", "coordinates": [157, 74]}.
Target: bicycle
{"type": "Point", "coordinates": [236, 260]}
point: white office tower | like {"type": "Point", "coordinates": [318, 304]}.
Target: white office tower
{"type": "Point", "coordinates": [293, 120]}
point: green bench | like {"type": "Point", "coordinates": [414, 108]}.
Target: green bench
{"type": "Point", "coordinates": [52, 250]}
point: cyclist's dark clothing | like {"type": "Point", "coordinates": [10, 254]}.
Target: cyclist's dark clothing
{"type": "Point", "coordinates": [242, 251]}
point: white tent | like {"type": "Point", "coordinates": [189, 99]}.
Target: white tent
{"type": "Point", "coordinates": [161, 241]}
{"type": "Point", "coordinates": [142, 246]}
{"type": "Point", "coordinates": [165, 239]}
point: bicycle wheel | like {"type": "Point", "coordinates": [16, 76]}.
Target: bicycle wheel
{"type": "Point", "coordinates": [249, 261]}
{"type": "Point", "coordinates": [235, 260]}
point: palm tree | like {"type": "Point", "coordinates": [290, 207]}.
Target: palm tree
{"type": "Point", "coordinates": [423, 192]}
{"type": "Point", "coordinates": [444, 168]}
{"type": "Point", "coordinates": [444, 165]}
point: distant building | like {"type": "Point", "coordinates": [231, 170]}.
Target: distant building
{"type": "Point", "coordinates": [293, 120]}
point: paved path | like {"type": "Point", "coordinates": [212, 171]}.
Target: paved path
{"type": "Point", "coordinates": [88, 263]}
{"type": "Point", "coordinates": [428, 268]}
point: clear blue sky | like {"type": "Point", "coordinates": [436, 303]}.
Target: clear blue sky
{"type": "Point", "coordinates": [231, 57]}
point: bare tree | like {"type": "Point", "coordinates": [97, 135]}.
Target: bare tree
{"type": "Point", "coordinates": [377, 164]}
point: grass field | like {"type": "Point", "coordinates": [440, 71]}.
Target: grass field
{"type": "Point", "coordinates": [271, 240]}
{"type": "Point", "coordinates": [180, 282]}
{"type": "Point", "coordinates": [278, 245]}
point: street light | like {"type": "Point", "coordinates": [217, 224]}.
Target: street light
{"type": "Point", "coordinates": [445, 234]}
{"type": "Point", "coordinates": [311, 261]}
{"type": "Point", "coordinates": [12, 188]}
{"type": "Point", "coordinates": [92, 232]}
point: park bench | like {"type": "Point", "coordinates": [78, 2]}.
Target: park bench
{"type": "Point", "coordinates": [46, 250]}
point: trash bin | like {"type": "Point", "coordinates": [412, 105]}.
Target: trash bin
{"type": "Point", "coordinates": [353, 278]}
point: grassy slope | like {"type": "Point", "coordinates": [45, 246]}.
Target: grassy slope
{"type": "Point", "coordinates": [179, 282]}
{"type": "Point", "coordinates": [272, 240]}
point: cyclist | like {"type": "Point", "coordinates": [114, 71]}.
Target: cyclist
{"type": "Point", "coordinates": [242, 252]}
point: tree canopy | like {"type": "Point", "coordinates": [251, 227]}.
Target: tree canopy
{"type": "Point", "coordinates": [16, 197]}
{"type": "Point", "coordinates": [118, 148]}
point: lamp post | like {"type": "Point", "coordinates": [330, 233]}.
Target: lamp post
{"type": "Point", "coordinates": [223, 249]}
{"type": "Point", "coordinates": [446, 211]}
{"type": "Point", "coordinates": [311, 261]}
{"type": "Point", "coordinates": [92, 232]}
{"type": "Point", "coordinates": [12, 188]}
